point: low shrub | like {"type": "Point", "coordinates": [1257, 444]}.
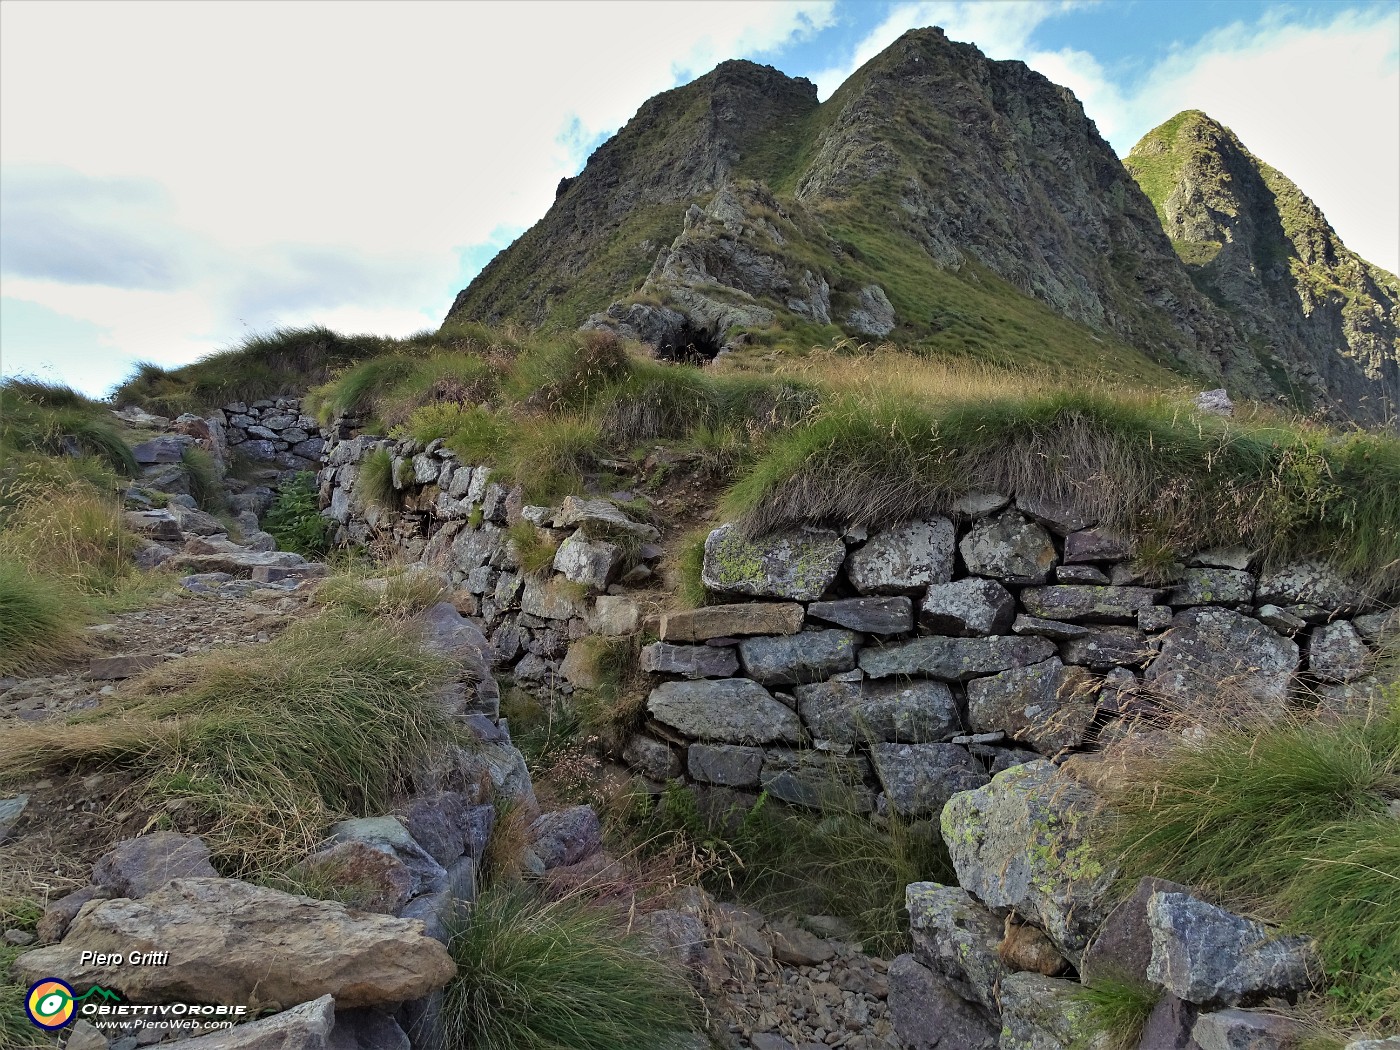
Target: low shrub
{"type": "Point", "coordinates": [558, 975]}
{"type": "Point", "coordinates": [295, 520]}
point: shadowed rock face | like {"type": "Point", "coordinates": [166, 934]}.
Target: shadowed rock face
{"type": "Point", "coordinates": [1255, 243]}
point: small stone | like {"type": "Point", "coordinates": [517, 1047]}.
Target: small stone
{"type": "Point", "coordinates": [1105, 648]}
{"type": "Point", "coordinates": [980, 504]}
{"type": "Point", "coordinates": [566, 836]}
{"type": "Point", "coordinates": [1081, 574]}
{"type": "Point", "coordinates": [652, 757]}
{"type": "Point", "coordinates": [1212, 587]}
{"type": "Point", "coordinates": [893, 615]}
{"type": "Point", "coordinates": [729, 765]}
{"type": "Point", "coordinates": [1053, 629]}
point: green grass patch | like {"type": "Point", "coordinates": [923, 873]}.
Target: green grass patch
{"type": "Point", "coordinates": [1146, 466]}
{"type": "Point", "coordinates": [41, 621]}
{"type": "Point", "coordinates": [376, 590]}
{"type": "Point", "coordinates": [563, 975]}
{"type": "Point", "coordinates": [55, 420]}
{"type": "Point", "coordinates": [1290, 822]}
{"type": "Point", "coordinates": [374, 483]}
{"type": "Point", "coordinates": [1118, 1009]}
{"type": "Point", "coordinates": [260, 748]}
{"type": "Point", "coordinates": [295, 520]}
{"type": "Point", "coordinates": [16, 1033]}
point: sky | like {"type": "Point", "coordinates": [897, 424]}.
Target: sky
{"type": "Point", "coordinates": [174, 177]}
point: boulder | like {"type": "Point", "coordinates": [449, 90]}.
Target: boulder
{"type": "Point", "coordinates": [442, 822]}
{"type": "Point", "coordinates": [232, 942]}
{"type": "Point", "coordinates": [1337, 654]}
{"type": "Point", "coordinates": [1105, 648]}
{"type": "Point", "coordinates": [1210, 647]}
{"type": "Point", "coordinates": [726, 710]}
{"type": "Point", "coordinates": [307, 1026]}
{"type": "Point", "coordinates": [919, 779]}
{"type": "Point", "coordinates": [692, 661]}
{"type": "Point", "coordinates": [871, 615]}
{"type": "Point", "coordinates": [957, 938]}
{"type": "Point", "coordinates": [799, 564]}
{"type": "Point", "coordinates": [849, 712]}
{"type": "Point", "coordinates": [1021, 843]}
{"type": "Point", "coordinates": [904, 559]}
{"type": "Point", "coordinates": [1121, 948]}
{"type": "Point", "coordinates": [591, 563]}
{"type": "Point", "coordinates": [927, 1015]}
{"type": "Point", "coordinates": [136, 867]}
{"type": "Point", "coordinates": [236, 563]}
{"type": "Point", "coordinates": [1008, 548]}
{"type": "Point", "coordinates": [365, 878]}
{"type": "Point", "coordinates": [816, 779]}
{"type": "Point", "coordinates": [1308, 583]}
{"type": "Point", "coordinates": [1212, 587]}
{"type": "Point", "coordinates": [954, 659]}
{"type": "Point", "coordinates": [872, 313]}
{"type": "Point", "coordinates": [195, 522]}
{"type": "Point", "coordinates": [652, 758]}
{"type": "Point", "coordinates": [725, 621]}
{"type": "Point", "coordinates": [1249, 1030]}
{"type": "Point", "coordinates": [1045, 1013]}
{"type": "Point", "coordinates": [799, 658]}
{"type": "Point", "coordinates": [1212, 957]}
{"type": "Point", "coordinates": [614, 615]}
{"type": "Point", "coordinates": [729, 765]}
{"type": "Point", "coordinates": [566, 836]}
{"type": "Point", "coordinates": [1085, 603]}
{"type": "Point", "coordinates": [388, 835]}
{"type": "Point", "coordinates": [1046, 705]}
{"type": "Point", "coordinates": [970, 606]}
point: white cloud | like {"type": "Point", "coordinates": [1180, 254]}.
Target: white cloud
{"type": "Point", "coordinates": [319, 162]}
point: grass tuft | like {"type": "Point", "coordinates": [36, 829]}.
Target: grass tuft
{"type": "Point", "coordinates": [41, 621]}
{"type": "Point", "coordinates": [374, 484]}
{"type": "Point", "coordinates": [1118, 1009]}
{"type": "Point", "coordinates": [559, 975]}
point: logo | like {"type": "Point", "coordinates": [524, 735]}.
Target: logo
{"type": "Point", "coordinates": [50, 1004]}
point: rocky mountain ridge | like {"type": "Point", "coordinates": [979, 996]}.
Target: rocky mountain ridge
{"type": "Point", "coordinates": [1263, 250]}
{"type": "Point", "coordinates": [938, 199]}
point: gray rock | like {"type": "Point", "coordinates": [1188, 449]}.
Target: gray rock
{"type": "Point", "coordinates": [1021, 843]}
{"type": "Point", "coordinates": [1393, 1043]}
{"type": "Point", "coordinates": [440, 822]}
{"type": "Point", "coordinates": [1212, 587]}
{"type": "Point", "coordinates": [980, 504]}
{"type": "Point", "coordinates": [692, 661]}
{"type": "Point", "coordinates": [307, 1026]}
{"type": "Point", "coordinates": [153, 524]}
{"type": "Point", "coordinates": [957, 938]}
{"type": "Point", "coordinates": [927, 1015]}
{"type": "Point", "coordinates": [1169, 1025]}
{"type": "Point", "coordinates": [566, 836]}
{"type": "Point", "coordinates": [1210, 647]}
{"type": "Point", "coordinates": [366, 1030]}
{"type": "Point", "coordinates": [600, 518]}
{"type": "Point", "coordinates": [1248, 1030]}
{"type": "Point", "coordinates": [168, 448]}
{"type": "Point", "coordinates": [1212, 957]}
{"type": "Point", "coordinates": [1336, 653]}
{"type": "Point", "coordinates": [195, 522]}
{"type": "Point", "coordinates": [817, 779]}
{"type": "Point", "coordinates": [726, 621]}
{"type": "Point", "coordinates": [652, 757]}
{"type": "Point", "coordinates": [1105, 648]}
{"type": "Point", "coordinates": [116, 668]}
{"type": "Point", "coordinates": [1154, 618]}
{"type": "Point", "coordinates": [1060, 632]}
{"type": "Point", "coordinates": [799, 564]}
{"type": "Point", "coordinates": [904, 559]}
{"type": "Point", "coordinates": [727, 710]}
{"type": "Point", "coordinates": [795, 946]}
{"type": "Point", "coordinates": [548, 601]}
{"type": "Point", "coordinates": [1121, 948]}
{"type": "Point", "coordinates": [136, 867]}
{"type": "Point", "coordinates": [232, 942]}
{"type": "Point", "coordinates": [84, 1036]}
{"type": "Point", "coordinates": [11, 809]}
{"type": "Point", "coordinates": [61, 913]}
{"type": "Point", "coordinates": [1081, 574]}
{"type": "Point", "coordinates": [807, 657]}
{"type": "Point", "coordinates": [968, 607]}
{"type": "Point", "coordinates": [592, 563]}
{"type": "Point", "coordinates": [614, 615]}
{"type": "Point", "coordinates": [1045, 1013]}
{"type": "Point", "coordinates": [680, 935]}
{"type": "Point", "coordinates": [954, 659]}
{"type": "Point", "coordinates": [872, 313]}
{"type": "Point", "coordinates": [1087, 603]}
{"type": "Point", "coordinates": [367, 878]}
{"type": "Point", "coordinates": [1009, 548]}
{"type": "Point", "coordinates": [1094, 545]}
{"type": "Point", "coordinates": [919, 779]}
{"type": "Point", "coordinates": [1057, 516]}
{"type": "Point", "coordinates": [1373, 627]}
{"type": "Point", "coordinates": [871, 615]}
{"type": "Point", "coordinates": [1046, 705]}
{"type": "Point", "coordinates": [912, 712]}
{"type": "Point", "coordinates": [388, 835]}
{"type": "Point", "coordinates": [425, 469]}
{"type": "Point", "coordinates": [1308, 583]}
{"type": "Point", "coordinates": [729, 765]}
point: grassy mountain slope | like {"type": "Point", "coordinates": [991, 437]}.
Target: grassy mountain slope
{"type": "Point", "coordinates": [1326, 320]}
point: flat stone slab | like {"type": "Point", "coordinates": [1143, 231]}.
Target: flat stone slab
{"type": "Point", "coordinates": [1212, 587]}
{"type": "Point", "coordinates": [1105, 648]}
{"type": "Point", "coordinates": [816, 778]}
{"type": "Point", "coordinates": [1085, 602]}
{"type": "Point", "coordinates": [893, 615]}
{"type": "Point", "coordinates": [726, 710]}
{"type": "Point", "coordinates": [115, 668]}
{"type": "Point", "coordinates": [692, 661]}
{"type": "Point", "coordinates": [918, 711]}
{"type": "Point", "coordinates": [954, 659]}
{"type": "Point", "coordinates": [725, 621]}
{"type": "Point", "coordinates": [799, 564]}
{"type": "Point", "coordinates": [799, 658]}
{"type": "Point", "coordinates": [730, 765]}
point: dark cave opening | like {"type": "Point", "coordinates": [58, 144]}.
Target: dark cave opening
{"type": "Point", "coordinates": [691, 344]}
